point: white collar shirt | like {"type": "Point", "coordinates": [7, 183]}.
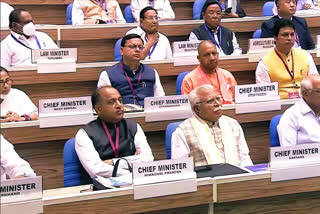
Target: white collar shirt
{"type": "Point", "coordinates": [13, 53]}
{"type": "Point", "coordinates": [17, 101]}
{"type": "Point", "coordinates": [299, 125]}
{"type": "Point", "coordinates": [161, 50]}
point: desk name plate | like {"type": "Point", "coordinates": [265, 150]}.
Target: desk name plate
{"type": "Point", "coordinates": [65, 111]}
{"type": "Point", "coordinates": [165, 177]}
{"type": "Point", "coordinates": [167, 108]}
{"type": "Point", "coordinates": [260, 47]}
{"type": "Point", "coordinates": [294, 162]}
{"type": "Point", "coordinates": [185, 53]}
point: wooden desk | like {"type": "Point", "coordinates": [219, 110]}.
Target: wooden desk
{"type": "Point", "coordinates": [257, 194]}
{"type": "Point", "coordinates": [246, 193]}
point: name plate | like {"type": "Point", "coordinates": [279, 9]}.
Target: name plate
{"type": "Point", "coordinates": [259, 47]}
{"type": "Point", "coordinates": [257, 98]}
{"type": "Point", "coordinates": [185, 53]}
{"type": "Point", "coordinates": [256, 92]}
{"type": "Point", "coordinates": [65, 111]}
{"type": "Point", "coordinates": [164, 177]}
{"type": "Point", "coordinates": [21, 189]}
{"type": "Point", "coordinates": [167, 108]}
{"type": "Point", "coordinates": [54, 54]}
{"type": "Point", "coordinates": [55, 60]}
{"type": "Point", "coordinates": [294, 162]}
{"type": "Point", "coordinates": [318, 46]}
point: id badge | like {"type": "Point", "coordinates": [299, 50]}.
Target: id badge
{"type": "Point", "coordinates": [293, 95]}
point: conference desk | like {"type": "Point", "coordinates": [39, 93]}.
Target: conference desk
{"type": "Point", "coordinates": [95, 43]}
{"type": "Point", "coordinates": [245, 193]}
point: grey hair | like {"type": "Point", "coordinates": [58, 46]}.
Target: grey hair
{"type": "Point", "coordinates": [193, 96]}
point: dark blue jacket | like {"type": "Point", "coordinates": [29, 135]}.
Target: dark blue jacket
{"type": "Point", "coordinates": [142, 89]}
{"type": "Point", "coordinates": [300, 26]}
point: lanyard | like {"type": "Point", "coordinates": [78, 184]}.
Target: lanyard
{"type": "Point", "coordinates": [152, 49]}
{"type": "Point", "coordinates": [291, 73]}
{"type": "Point", "coordinates": [297, 38]}
{"type": "Point", "coordinates": [115, 148]}
{"type": "Point", "coordinates": [38, 43]}
{"type": "Point", "coordinates": [104, 5]}
{"type": "Point", "coordinates": [212, 36]}
{"type": "Point", "coordinates": [129, 81]}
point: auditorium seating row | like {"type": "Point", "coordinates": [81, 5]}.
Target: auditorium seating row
{"type": "Point", "coordinates": [95, 43]}
{"type": "Point", "coordinates": [54, 11]}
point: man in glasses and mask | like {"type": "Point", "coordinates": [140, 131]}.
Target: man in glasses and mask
{"type": "Point", "coordinates": [16, 47]}
{"type": "Point", "coordinates": [208, 136]}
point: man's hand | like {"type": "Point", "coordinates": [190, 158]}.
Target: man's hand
{"type": "Point", "coordinates": [13, 117]}
{"type": "Point", "coordinates": [153, 38]}
{"type": "Point", "coordinates": [138, 152]}
{"type": "Point", "coordinates": [109, 161]}
{"type": "Point", "coordinates": [306, 6]}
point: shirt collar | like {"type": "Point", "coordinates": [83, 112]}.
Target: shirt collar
{"type": "Point", "coordinates": [305, 108]}
{"type": "Point", "coordinates": [128, 70]}
{"type": "Point", "coordinates": [209, 123]}
{"type": "Point", "coordinates": [213, 31]}
{"type": "Point", "coordinates": [281, 17]}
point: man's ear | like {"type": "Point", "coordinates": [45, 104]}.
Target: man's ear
{"type": "Point", "coordinates": [121, 51]}
{"type": "Point", "coordinates": [97, 107]}
{"type": "Point", "coordinates": [196, 109]}
{"type": "Point", "coordinates": [305, 93]}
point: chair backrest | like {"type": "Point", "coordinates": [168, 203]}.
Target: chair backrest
{"type": "Point", "coordinates": [274, 138]}
{"type": "Point", "coordinates": [117, 55]}
{"type": "Point", "coordinates": [170, 129]}
{"type": "Point", "coordinates": [197, 7]}
{"type": "Point", "coordinates": [257, 34]}
{"type": "Point", "coordinates": [69, 14]}
{"type": "Point", "coordinates": [71, 165]}
{"type": "Point", "coordinates": [179, 81]}
{"type": "Point", "coordinates": [128, 14]}
{"type": "Point", "coordinates": [267, 8]}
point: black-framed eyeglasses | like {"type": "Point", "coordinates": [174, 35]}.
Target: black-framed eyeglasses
{"type": "Point", "coordinates": [8, 81]}
{"type": "Point", "coordinates": [151, 18]}
{"type": "Point", "coordinates": [217, 99]}
{"type": "Point", "coordinates": [113, 102]}
{"type": "Point", "coordinates": [134, 47]}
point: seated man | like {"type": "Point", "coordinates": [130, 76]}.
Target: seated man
{"type": "Point", "coordinates": [163, 8]}
{"type": "Point", "coordinates": [109, 137]}
{"type": "Point", "coordinates": [286, 10]}
{"type": "Point", "coordinates": [301, 122]}
{"type": "Point", "coordinates": [5, 12]}
{"type": "Point", "coordinates": [132, 79]}
{"type": "Point", "coordinates": [16, 47]}
{"type": "Point", "coordinates": [222, 37]}
{"type": "Point", "coordinates": [208, 136]}
{"type": "Point", "coordinates": [157, 45]}
{"type": "Point", "coordinates": [12, 164]}
{"type": "Point", "coordinates": [208, 72]}
{"type": "Point", "coordinates": [15, 104]}
{"type": "Point", "coordinates": [96, 12]}
{"type": "Point", "coordinates": [285, 64]}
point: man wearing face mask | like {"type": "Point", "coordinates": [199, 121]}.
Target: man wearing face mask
{"type": "Point", "coordinates": [16, 47]}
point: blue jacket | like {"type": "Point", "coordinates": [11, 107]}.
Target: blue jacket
{"type": "Point", "coordinates": [300, 26]}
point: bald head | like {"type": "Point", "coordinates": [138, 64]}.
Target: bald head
{"type": "Point", "coordinates": [310, 90]}
{"type": "Point", "coordinates": [208, 56]}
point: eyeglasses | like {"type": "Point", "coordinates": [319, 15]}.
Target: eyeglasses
{"type": "Point", "coordinates": [217, 99]}
{"type": "Point", "coordinates": [114, 102]}
{"type": "Point", "coordinates": [134, 47]}
{"type": "Point", "coordinates": [151, 18]}
{"type": "Point", "coordinates": [8, 81]}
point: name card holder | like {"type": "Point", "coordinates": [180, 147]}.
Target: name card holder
{"type": "Point", "coordinates": [295, 162]}
{"type": "Point", "coordinates": [22, 195]}
{"type": "Point", "coordinates": [259, 48]}
{"type": "Point", "coordinates": [185, 53]}
{"type": "Point", "coordinates": [166, 177]}
{"type": "Point", "coordinates": [167, 108]}
{"type": "Point", "coordinates": [257, 98]}
{"type": "Point", "coordinates": [55, 60]}
{"type": "Point", "coordinates": [318, 46]}
{"type": "Point", "coordinates": [65, 112]}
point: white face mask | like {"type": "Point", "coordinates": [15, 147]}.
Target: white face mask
{"type": "Point", "coordinates": [29, 29]}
